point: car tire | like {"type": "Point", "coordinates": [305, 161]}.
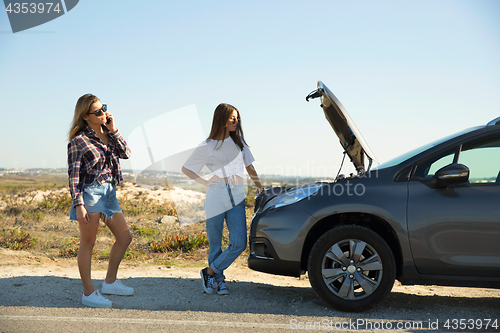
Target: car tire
{"type": "Point", "coordinates": [351, 268]}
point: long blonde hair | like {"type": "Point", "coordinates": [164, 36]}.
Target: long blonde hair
{"type": "Point", "coordinates": [222, 114]}
{"type": "Point", "coordinates": [82, 107]}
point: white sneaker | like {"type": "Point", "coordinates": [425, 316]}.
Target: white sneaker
{"type": "Point", "coordinates": [96, 300]}
{"type": "Point", "coordinates": [222, 288]}
{"type": "Point", "coordinates": [116, 288]}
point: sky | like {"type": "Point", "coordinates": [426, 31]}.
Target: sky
{"type": "Point", "coordinates": [408, 73]}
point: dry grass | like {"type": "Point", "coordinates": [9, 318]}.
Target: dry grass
{"type": "Point", "coordinates": [35, 218]}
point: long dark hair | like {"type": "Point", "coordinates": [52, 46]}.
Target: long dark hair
{"type": "Point", "coordinates": [222, 114]}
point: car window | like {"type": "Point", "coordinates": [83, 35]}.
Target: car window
{"type": "Point", "coordinates": [442, 162]}
{"type": "Point", "coordinates": [483, 162]}
{"type": "Point", "coordinates": [482, 159]}
{"type": "Point", "coordinates": [427, 168]}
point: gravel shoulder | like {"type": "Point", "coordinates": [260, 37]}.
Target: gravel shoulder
{"type": "Point", "coordinates": [28, 281]}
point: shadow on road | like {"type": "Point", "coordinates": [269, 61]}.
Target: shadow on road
{"type": "Point", "coordinates": [185, 294]}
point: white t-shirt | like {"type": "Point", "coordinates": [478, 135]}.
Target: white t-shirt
{"type": "Point", "coordinates": [223, 158]}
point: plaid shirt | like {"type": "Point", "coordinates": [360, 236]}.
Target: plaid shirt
{"type": "Point", "coordinates": [89, 159]}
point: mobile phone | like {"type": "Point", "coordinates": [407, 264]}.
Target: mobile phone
{"type": "Point", "coordinates": [108, 120]}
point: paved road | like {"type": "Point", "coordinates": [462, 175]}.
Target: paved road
{"type": "Point", "coordinates": [37, 298]}
{"type": "Point", "coordinates": [30, 319]}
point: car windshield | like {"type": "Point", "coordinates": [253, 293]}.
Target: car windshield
{"type": "Point", "coordinates": [417, 151]}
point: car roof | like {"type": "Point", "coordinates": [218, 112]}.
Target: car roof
{"type": "Point", "coordinates": [494, 122]}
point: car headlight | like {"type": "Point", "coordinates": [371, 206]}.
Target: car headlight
{"type": "Point", "coordinates": [292, 196]}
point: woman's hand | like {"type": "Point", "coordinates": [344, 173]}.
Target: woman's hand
{"type": "Point", "coordinates": [111, 124]}
{"type": "Point", "coordinates": [253, 175]}
{"type": "Point", "coordinates": [81, 214]}
{"type": "Point", "coordinates": [196, 178]}
{"type": "Point", "coordinates": [212, 180]}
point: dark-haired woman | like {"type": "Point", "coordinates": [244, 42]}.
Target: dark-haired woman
{"type": "Point", "coordinates": [94, 149]}
{"type": "Point", "coordinates": [227, 155]}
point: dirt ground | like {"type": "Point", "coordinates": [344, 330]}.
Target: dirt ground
{"type": "Point", "coordinates": [27, 280]}
{"type": "Point", "coordinates": [37, 280]}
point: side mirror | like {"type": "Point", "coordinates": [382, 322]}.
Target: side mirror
{"type": "Point", "coordinates": [452, 174]}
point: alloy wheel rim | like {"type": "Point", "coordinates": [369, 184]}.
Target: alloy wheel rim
{"type": "Point", "coordinates": [352, 269]}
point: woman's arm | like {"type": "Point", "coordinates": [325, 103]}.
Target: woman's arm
{"type": "Point", "coordinates": [120, 144]}
{"type": "Point", "coordinates": [197, 178]}
{"type": "Point", "coordinates": [74, 165]}
{"type": "Point", "coordinates": [255, 178]}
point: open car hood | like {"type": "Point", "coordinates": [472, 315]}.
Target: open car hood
{"type": "Point", "coordinates": [351, 140]}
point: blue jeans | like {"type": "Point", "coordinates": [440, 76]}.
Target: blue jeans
{"type": "Point", "coordinates": [99, 199]}
{"type": "Point", "coordinates": [227, 202]}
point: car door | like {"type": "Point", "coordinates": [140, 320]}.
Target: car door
{"type": "Point", "coordinates": [455, 230]}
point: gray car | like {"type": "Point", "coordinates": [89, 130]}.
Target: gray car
{"type": "Point", "coordinates": [430, 216]}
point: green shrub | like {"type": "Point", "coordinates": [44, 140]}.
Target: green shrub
{"type": "Point", "coordinates": [72, 252]}
{"type": "Point", "coordinates": [180, 243]}
{"type": "Point", "coordinates": [130, 254]}
{"type": "Point", "coordinates": [143, 205]}
{"type": "Point", "coordinates": [18, 204]}
{"type": "Point", "coordinates": [68, 252]}
{"type": "Point", "coordinates": [103, 255]}
{"type": "Point", "coordinates": [250, 201]}
{"type": "Point", "coordinates": [57, 203]}
{"type": "Point", "coordinates": [24, 204]}
{"type": "Point", "coordinates": [143, 231]}
{"type": "Point", "coordinates": [17, 239]}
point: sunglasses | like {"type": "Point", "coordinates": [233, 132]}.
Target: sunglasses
{"type": "Point", "coordinates": [99, 112]}
{"type": "Point", "coordinates": [234, 120]}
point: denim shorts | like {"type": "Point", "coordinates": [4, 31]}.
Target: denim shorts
{"type": "Point", "coordinates": [99, 198]}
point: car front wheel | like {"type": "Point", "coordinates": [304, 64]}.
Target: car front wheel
{"type": "Point", "coordinates": [351, 267]}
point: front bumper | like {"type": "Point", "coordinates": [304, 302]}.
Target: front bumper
{"type": "Point", "coordinates": [277, 238]}
{"type": "Point", "coordinates": [263, 258]}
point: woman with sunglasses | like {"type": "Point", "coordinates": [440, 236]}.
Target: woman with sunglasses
{"type": "Point", "coordinates": [94, 149]}
{"type": "Point", "coordinates": [227, 155]}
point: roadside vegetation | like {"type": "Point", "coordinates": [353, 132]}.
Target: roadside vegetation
{"type": "Point", "coordinates": [34, 216]}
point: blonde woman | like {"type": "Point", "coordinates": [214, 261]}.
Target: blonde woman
{"type": "Point", "coordinates": [94, 149]}
{"type": "Point", "coordinates": [227, 155]}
